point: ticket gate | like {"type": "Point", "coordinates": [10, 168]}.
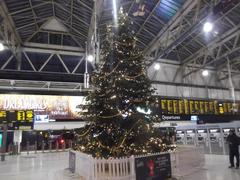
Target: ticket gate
{"type": "Point", "coordinates": [190, 136]}
{"type": "Point", "coordinates": [238, 131]}
{"type": "Point", "coordinates": [216, 141]}
{"type": "Point", "coordinates": [180, 137]}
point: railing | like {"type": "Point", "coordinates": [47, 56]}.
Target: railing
{"type": "Point", "coordinates": [40, 146]}
{"type": "Point", "coordinates": [184, 161]}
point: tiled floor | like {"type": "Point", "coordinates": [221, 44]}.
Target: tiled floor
{"type": "Point", "coordinates": [49, 166]}
{"type": "Point", "coordinates": [216, 168]}
{"type": "Point", "coordinates": [52, 166]}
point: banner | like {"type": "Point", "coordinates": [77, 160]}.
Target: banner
{"type": "Point", "coordinates": [51, 107]}
{"type": "Point", "coordinates": [156, 167]}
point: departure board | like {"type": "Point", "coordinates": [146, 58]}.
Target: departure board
{"type": "Point", "coordinates": [175, 107]}
{"type": "Point", "coordinates": [181, 106]}
{"type": "Point", "coordinates": [198, 107]}
{"type": "Point", "coordinates": [21, 119]}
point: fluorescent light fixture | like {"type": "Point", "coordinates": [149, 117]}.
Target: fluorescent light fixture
{"type": "Point", "coordinates": [90, 58]}
{"type": "Point", "coordinates": [207, 27]}
{"type": "Point", "coordinates": [189, 131]}
{"type": "Point", "coordinates": [205, 73]}
{"type": "Point", "coordinates": [200, 131]}
{"type": "Point", "coordinates": [157, 66]}
{"type": "Point", "coordinates": [1, 47]}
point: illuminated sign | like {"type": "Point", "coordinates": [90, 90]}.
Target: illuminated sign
{"type": "Point", "coordinates": [56, 107]}
{"type": "Point", "coordinates": [1, 140]}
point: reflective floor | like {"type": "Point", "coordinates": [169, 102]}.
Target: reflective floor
{"type": "Point", "coordinates": [49, 166]}
{"type": "Point", "coordinates": [216, 168]}
{"type": "Point", "coordinates": [52, 166]}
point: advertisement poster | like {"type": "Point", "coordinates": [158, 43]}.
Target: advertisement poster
{"type": "Point", "coordinates": [156, 167]}
{"type": "Point", "coordinates": [45, 107]}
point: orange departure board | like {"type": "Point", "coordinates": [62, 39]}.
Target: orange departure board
{"type": "Point", "coordinates": [181, 106]}
{"type": "Point", "coordinates": [164, 106]}
{"type": "Point", "coordinates": [186, 106]}
{"type": "Point", "coordinates": [196, 107]}
{"type": "Point", "coordinates": [211, 107]}
{"type": "Point", "coordinates": [206, 107]}
{"type": "Point", "coordinates": [201, 107]}
{"type": "Point", "coordinates": [191, 107]}
{"type": "Point", "coordinates": [175, 107]}
{"type": "Point", "coordinates": [170, 106]}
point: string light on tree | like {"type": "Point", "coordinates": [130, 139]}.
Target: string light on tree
{"type": "Point", "coordinates": [118, 113]}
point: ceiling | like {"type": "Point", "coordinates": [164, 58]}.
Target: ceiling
{"type": "Point", "coordinates": [46, 39]}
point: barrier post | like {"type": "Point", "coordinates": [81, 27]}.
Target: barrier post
{"type": "Point", "coordinates": [27, 147]}
{"type": "Point", "coordinates": [43, 144]}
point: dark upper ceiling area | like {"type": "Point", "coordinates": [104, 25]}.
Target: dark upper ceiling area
{"type": "Point", "coordinates": [56, 33]}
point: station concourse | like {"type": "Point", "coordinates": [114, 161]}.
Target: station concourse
{"type": "Point", "coordinates": [119, 89]}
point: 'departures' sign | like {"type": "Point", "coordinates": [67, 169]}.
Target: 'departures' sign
{"type": "Point", "coordinates": [157, 167]}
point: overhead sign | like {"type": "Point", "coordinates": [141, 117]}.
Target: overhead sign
{"type": "Point", "coordinates": [56, 107]}
{"type": "Point", "coordinates": [198, 107]}
{"type": "Point", "coordinates": [1, 139]}
{"type": "Point", "coordinates": [157, 167]}
{"type": "Point", "coordinates": [18, 120]}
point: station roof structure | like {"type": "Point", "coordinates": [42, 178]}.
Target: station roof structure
{"type": "Point", "coordinates": [46, 40]}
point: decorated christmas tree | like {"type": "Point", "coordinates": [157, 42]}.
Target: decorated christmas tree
{"type": "Point", "coordinates": [120, 120]}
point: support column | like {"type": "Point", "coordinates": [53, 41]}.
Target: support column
{"type": "Point", "coordinates": [17, 139]}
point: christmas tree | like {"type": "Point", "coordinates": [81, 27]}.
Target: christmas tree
{"type": "Point", "coordinates": [118, 107]}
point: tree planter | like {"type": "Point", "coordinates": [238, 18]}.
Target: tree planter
{"type": "Point", "coordinates": [182, 162]}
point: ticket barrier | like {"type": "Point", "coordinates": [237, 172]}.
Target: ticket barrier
{"type": "Point", "coordinates": [191, 137]}
{"type": "Point", "coordinates": [216, 141]}
{"type": "Point", "coordinates": [180, 137]}
{"type": "Point", "coordinates": [238, 131]}
{"type": "Point", "coordinates": [202, 135]}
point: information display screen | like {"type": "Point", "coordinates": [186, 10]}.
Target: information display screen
{"type": "Point", "coordinates": [18, 120]}
{"type": "Point", "coordinates": [198, 107]}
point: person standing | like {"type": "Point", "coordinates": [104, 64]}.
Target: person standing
{"type": "Point", "coordinates": [233, 142]}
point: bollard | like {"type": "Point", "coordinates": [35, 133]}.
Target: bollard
{"type": "Point", "coordinates": [63, 146]}
{"type": "Point", "coordinates": [50, 145]}
{"type": "Point", "coordinates": [43, 144]}
{"type": "Point", "coordinates": [35, 147]}
{"type": "Point", "coordinates": [70, 144]}
{"type": "Point", "coordinates": [27, 147]}
{"type": "Point", "coordinates": [57, 145]}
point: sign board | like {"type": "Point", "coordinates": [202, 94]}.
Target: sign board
{"type": "Point", "coordinates": [156, 167]}
{"type": "Point", "coordinates": [72, 161]}
{"type": "Point", "coordinates": [17, 119]}
{"type": "Point", "coordinates": [1, 138]}
{"type": "Point", "coordinates": [56, 107]}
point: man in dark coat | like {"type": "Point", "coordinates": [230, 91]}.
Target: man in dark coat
{"type": "Point", "coordinates": [233, 141]}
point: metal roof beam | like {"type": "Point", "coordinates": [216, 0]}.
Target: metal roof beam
{"type": "Point", "coordinates": [155, 43]}
{"type": "Point", "coordinates": [92, 30]}
{"type": "Point", "coordinates": [49, 48]}
{"type": "Point", "coordinates": [8, 30]}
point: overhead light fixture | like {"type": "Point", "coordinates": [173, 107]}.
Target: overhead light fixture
{"type": "Point", "coordinates": [157, 66]}
{"type": "Point", "coordinates": [205, 73]}
{"type": "Point", "coordinates": [207, 27]}
{"type": "Point", "coordinates": [90, 58]}
{"type": "Point", "coordinates": [1, 47]}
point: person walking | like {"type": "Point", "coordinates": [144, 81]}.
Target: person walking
{"type": "Point", "coordinates": [233, 142]}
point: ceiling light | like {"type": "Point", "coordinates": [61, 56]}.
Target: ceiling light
{"type": "Point", "coordinates": [1, 47]}
{"type": "Point", "coordinates": [207, 27]}
{"type": "Point", "coordinates": [205, 72]}
{"type": "Point", "coordinates": [157, 66]}
{"type": "Point", "coordinates": [90, 58]}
